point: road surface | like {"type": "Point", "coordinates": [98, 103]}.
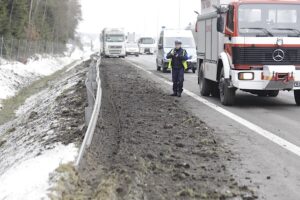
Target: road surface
{"type": "Point", "coordinates": [274, 169]}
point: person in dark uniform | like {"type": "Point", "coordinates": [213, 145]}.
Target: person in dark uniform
{"type": "Point", "coordinates": [178, 64]}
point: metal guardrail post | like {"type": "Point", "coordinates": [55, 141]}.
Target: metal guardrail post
{"type": "Point", "coordinates": [91, 92]}
{"type": "Point", "coordinates": [94, 117]}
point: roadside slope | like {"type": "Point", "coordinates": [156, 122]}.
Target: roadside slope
{"type": "Point", "coordinates": [43, 133]}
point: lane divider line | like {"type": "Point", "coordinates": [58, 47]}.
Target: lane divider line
{"type": "Point", "coordinates": [255, 128]}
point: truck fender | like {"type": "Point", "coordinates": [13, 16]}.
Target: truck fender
{"type": "Point", "coordinates": [226, 65]}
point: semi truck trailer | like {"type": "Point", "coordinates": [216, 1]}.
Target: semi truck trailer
{"type": "Point", "coordinates": [248, 45]}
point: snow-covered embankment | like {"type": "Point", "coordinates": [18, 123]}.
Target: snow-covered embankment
{"type": "Point", "coordinates": [47, 125]}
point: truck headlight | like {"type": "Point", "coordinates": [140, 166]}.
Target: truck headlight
{"type": "Point", "coordinates": [246, 76]}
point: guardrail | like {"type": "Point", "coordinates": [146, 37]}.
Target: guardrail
{"type": "Point", "coordinates": [93, 83]}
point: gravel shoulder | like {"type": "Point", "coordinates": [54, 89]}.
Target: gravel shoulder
{"type": "Point", "coordinates": [148, 146]}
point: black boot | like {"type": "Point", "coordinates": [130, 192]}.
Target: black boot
{"type": "Point", "coordinates": [173, 95]}
{"type": "Point", "coordinates": [179, 94]}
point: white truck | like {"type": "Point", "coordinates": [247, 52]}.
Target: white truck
{"type": "Point", "coordinates": [113, 42]}
{"type": "Point", "coordinates": [147, 45]}
{"type": "Point", "coordinates": [248, 45]}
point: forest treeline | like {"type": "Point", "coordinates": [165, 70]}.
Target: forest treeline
{"type": "Point", "coordinates": [37, 20]}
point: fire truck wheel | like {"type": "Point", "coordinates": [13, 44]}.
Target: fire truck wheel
{"type": "Point", "coordinates": [273, 93]}
{"type": "Point", "coordinates": [297, 97]}
{"type": "Point", "coordinates": [215, 92]}
{"type": "Point", "coordinates": [204, 84]}
{"type": "Point", "coordinates": [227, 94]}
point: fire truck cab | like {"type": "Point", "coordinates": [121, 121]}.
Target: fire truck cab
{"type": "Point", "coordinates": [250, 45]}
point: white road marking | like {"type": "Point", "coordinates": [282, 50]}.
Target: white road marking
{"type": "Point", "coordinates": [267, 134]}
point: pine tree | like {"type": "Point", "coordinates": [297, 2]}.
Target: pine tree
{"type": "Point", "coordinates": [3, 18]}
{"type": "Point", "coordinates": [50, 20]}
{"type": "Point", "coordinates": [18, 19]}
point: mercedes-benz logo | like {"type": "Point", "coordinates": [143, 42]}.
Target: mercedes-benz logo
{"type": "Point", "coordinates": [278, 55]}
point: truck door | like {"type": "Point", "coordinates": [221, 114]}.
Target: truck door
{"type": "Point", "coordinates": [229, 29]}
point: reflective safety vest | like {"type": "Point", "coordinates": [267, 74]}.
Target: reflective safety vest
{"type": "Point", "coordinates": [184, 63]}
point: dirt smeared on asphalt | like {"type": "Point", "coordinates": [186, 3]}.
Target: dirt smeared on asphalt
{"type": "Point", "coordinates": [148, 147]}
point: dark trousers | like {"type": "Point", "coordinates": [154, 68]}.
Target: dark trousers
{"type": "Point", "coordinates": [178, 78]}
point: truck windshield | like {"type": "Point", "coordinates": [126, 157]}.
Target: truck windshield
{"type": "Point", "coordinates": [147, 41]}
{"type": "Point", "coordinates": [267, 20]}
{"type": "Point", "coordinates": [187, 42]}
{"type": "Point", "coordinates": [115, 38]}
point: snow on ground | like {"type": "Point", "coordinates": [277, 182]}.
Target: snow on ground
{"type": "Point", "coordinates": [16, 75]}
{"type": "Point", "coordinates": [31, 187]}
{"type": "Point", "coordinates": [31, 145]}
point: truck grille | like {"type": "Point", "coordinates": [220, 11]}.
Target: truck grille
{"type": "Point", "coordinates": [114, 52]}
{"type": "Point", "coordinates": [264, 56]}
{"type": "Point", "coordinates": [115, 47]}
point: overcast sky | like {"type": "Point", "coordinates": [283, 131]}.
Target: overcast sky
{"type": "Point", "coordinates": [142, 16]}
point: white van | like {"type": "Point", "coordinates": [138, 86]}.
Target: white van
{"type": "Point", "coordinates": [167, 41]}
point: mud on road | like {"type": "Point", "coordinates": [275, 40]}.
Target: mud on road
{"type": "Point", "coordinates": [148, 147]}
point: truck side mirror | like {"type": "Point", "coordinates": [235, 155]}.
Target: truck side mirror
{"type": "Point", "coordinates": [220, 24]}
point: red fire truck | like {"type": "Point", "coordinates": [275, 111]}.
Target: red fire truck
{"type": "Point", "coordinates": [250, 45]}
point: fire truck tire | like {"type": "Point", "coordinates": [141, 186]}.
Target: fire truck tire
{"type": "Point", "coordinates": [297, 97]}
{"type": "Point", "coordinates": [204, 84]}
{"type": "Point", "coordinates": [215, 91]}
{"type": "Point", "coordinates": [227, 94]}
{"type": "Point", "coordinates": [273, 93]}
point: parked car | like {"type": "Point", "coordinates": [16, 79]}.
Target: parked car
{"type": "Point", "coordinates": [132, 49]}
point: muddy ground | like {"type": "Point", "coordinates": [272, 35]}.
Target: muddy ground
{"type": "Point", "coordinates": [148, 147]}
